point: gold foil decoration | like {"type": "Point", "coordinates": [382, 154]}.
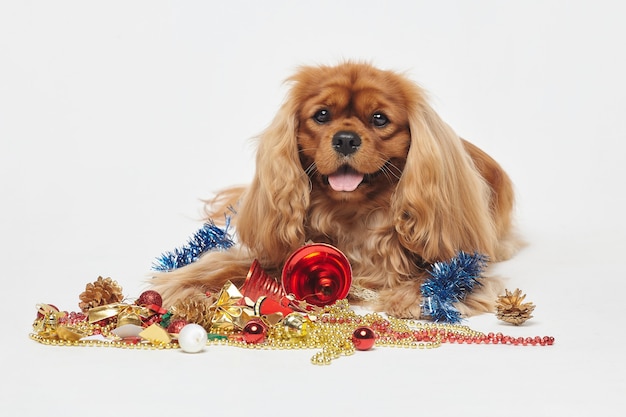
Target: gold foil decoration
{"type": "Point", "coordinates": [230, 311]}
{"type": "Point", "coordinates": [296, 325]}
{"type": "Point", "coordinates": [156, 334]}
{"type": "Point", "coordinates": [127, 317]}
{"type": "Point", "coordinates": [46, 326]}
{"type": "Point", "coordinates": [118, 310]}
{"type": "Point", "coordinates": [272, 319]}
{"type": "Point", "coordinates": [70, 334]}
{"type": "Point", "coordinates": [128, 323]}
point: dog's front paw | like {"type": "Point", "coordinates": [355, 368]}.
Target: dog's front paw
{"type": "Point", "coordinates": [403, 301]}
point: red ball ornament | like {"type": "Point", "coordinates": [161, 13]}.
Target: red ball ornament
{"type": "Point", "coordinates": [318, 273]}
{"type": "Point", "coordinates": [363, 338]}
{"type": "Point", "coordinates": [176, 326]}
{"type": "Point", "coordinates": [254, 332]}
{"type": "Point", "coordinates": [149, 297]}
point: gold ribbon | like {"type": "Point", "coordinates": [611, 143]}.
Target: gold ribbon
{"type": "Point", "coordinates": [119, 310]}
{"type": "Point", "coordinates": [230, 310]}
{"type": "Point", "coordinates": [70, 334]}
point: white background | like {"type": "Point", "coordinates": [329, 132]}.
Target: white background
{"type": "Point", "coordinates": [116, 118]}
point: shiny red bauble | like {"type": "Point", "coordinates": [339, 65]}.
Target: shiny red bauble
{"type": "Point", "coordinates": [363, 338]}
{"type": "Point", "coordinates": [318, 273]}
{"type": "Point", "coordinates": [176, 326]}
{"type": "Point", "coordinates": [254, 332]}
{"type": "Point", "coordinates": [149, 297]}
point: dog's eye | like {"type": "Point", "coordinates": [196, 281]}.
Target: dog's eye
{"type": "Point", "coordinates": [379, 119]}
{"type": "Point", "coordinates": [322, 116]}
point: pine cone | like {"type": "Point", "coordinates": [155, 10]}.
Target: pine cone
{"type": "Point", "coordinates": [193, 310]}
{"type": "Point", "coordinates": [509, 307]}
{"type": "Point", "coordinates": [101, 292]}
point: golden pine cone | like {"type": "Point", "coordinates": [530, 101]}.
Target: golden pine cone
{"type": "Point", "coordinates": [101, 292]}
{"type": "Point", "coordinates": [511, 309]}
{"type": "Point", "coordinates": [194, 310]}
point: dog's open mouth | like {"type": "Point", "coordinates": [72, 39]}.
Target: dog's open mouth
{"type": "Point", "coordinates": [345, 179]}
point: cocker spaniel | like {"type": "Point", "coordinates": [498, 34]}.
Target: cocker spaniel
{"type": "Point", "coordinates": [358, 159]}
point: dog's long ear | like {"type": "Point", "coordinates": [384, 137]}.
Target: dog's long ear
{"type": "Point", "coordinates": [271, 217]}
{"type": "Point", "coordinates": [441, 204]}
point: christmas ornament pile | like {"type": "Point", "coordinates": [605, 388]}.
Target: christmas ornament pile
{"type": "Point", "coordinates": [261, 315]}
{"type": "Point", "coordinates": [265, 313]}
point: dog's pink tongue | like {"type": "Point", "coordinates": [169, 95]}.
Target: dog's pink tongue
{"type": "Point", "coordinates": [345, 181]}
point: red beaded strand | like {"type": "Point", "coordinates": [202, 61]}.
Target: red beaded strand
{"type": "Point", "coordinates": [386, 333]}
{"type": "Point", "coordinates": [497, 338]}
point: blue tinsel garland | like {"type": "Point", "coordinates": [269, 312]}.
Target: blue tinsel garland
{"type": "Point", "coordinates": [209, 237]}
{"type": "Point", "coordinates": [450, 282]}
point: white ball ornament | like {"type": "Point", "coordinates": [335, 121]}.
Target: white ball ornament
{"type": "Point", "coordinates": [192, 338]}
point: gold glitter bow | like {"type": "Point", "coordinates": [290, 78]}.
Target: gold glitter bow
{"type": "Point", "coordinates": [230, 311]}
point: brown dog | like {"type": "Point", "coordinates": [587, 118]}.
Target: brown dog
{"type": "Point", "coordinates": [358, 159]}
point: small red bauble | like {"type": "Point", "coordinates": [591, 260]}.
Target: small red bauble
{"type": "Point", "coordinates": [254, 332]}
{"type": "Point", "coordinates": [176, 326]}
{"type": "Point", "coordinates": [363, 338]}
{"type": "Point", "coordinates": [149, 297]}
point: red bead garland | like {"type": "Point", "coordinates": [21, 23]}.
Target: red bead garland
{"type": "Point", "coordinates": [497, 338]}
{"type": "Point", "coordinates": [72, 318]}
{"type": "Point", "coordinates": [383, 330]}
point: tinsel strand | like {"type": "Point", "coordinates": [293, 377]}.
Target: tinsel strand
{"type": "Point", "coordinates": [209, 237]}
{"type": "Point", "coordinates": [450, 283]}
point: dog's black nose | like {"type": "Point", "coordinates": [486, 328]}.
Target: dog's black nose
{"type": "Point", "coordinates": [346, 142]}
